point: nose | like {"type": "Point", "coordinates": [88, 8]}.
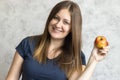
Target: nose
{"type": "Point", "coordinates": [59, 24]}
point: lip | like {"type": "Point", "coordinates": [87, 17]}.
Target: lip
{"type": "Point", "coordinates": [57, 29]}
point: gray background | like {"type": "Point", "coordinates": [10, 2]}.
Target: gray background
{"type": "Point", "coordinates": [22, 18]}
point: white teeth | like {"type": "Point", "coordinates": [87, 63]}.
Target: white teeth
{"type": "Point", "coordinates": [57, 30]}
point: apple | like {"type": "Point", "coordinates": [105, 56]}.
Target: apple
{"type": "Point", "coordinates": [101, 42]}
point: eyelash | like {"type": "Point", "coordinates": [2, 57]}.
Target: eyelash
{"type": "Point", "coordinates": [57, 18]}
{"type": "Point", "coordinates": [66, 22]}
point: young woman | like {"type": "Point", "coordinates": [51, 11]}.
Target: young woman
{"type": "Point", "coordinates": [56, 54]}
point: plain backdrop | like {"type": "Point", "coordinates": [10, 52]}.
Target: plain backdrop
{"type": "Point", "coordinates": [22, 18]}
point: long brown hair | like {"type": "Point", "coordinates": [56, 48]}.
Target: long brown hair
{"type": "Point", "coordinates": [70, 58]}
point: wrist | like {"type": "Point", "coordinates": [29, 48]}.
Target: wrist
{"type": "Point", "coordinates": [92, 60]}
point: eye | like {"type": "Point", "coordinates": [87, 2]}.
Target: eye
{"type": "Point", "coordinates": [56, 18]}
{"type": "Point", "coordinates": [66, 23]}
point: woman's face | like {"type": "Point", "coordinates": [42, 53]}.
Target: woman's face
{"type": "Point", "coordinates": [60, 26]}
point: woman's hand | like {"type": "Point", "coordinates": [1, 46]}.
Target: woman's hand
{"type": "Point", "coordinates": [99, 54]}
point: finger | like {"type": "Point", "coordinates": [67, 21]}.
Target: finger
{"type": "Point", "coordinates": [105, 49]}
{"type": "Point", "coordinates": [102, 52]}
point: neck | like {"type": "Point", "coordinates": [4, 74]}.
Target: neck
{"type": "Point", "coordinates": [55, 43]}
{"type": "Point", "coordinates": [54, 48]}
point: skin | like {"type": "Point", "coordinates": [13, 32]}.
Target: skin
{"type": "Point", "coordinates": [96, 56]}
{"type": "Point", "coordinates": [15, 69]}
{"type": "Point", "coordinates": [59, 27]}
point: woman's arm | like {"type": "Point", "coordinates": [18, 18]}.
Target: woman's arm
{"type": "Point", "coordinates": [75, 74]}
{"type": "Point", "coordinates": [15, 69]}
{"type": "Point", "coordinates": [87, 73]}
{"type": "Point", "coordinates": [96, 56]}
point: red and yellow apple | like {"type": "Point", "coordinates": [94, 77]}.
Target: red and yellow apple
{"type": "Point", "coordinates": [101, 42]}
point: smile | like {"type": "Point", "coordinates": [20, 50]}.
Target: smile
{"type": "Point", "coordinates": [57, 29]}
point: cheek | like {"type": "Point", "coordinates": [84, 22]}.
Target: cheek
{"type": "Point", "coordinates": [68, 29]}
{"type": "Point", "coordinates": [53, 21]}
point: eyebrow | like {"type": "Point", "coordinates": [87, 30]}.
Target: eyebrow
{"type": "Point", "coordinates": [64, 18]}
{"type": "Point", "coordinates": [67, 20]}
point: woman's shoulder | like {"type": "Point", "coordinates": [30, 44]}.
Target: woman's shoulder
{"type": "Point", "coordinates": [29, 41]}
{"type": "Point", "coordinates": [82, 54]}
{"type": "Point", "coordinates": [27, 45]}
{"type": "Point", "coordinates": [35, 39]}
{"type": "Point", "coordinates": [83, 58]}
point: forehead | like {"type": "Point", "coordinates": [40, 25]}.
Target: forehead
{"type": "Point", "coordinates": [64, 13]}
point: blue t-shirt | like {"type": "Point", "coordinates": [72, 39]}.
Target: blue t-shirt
{"type": "Point", "coordinates": [33, 70]}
